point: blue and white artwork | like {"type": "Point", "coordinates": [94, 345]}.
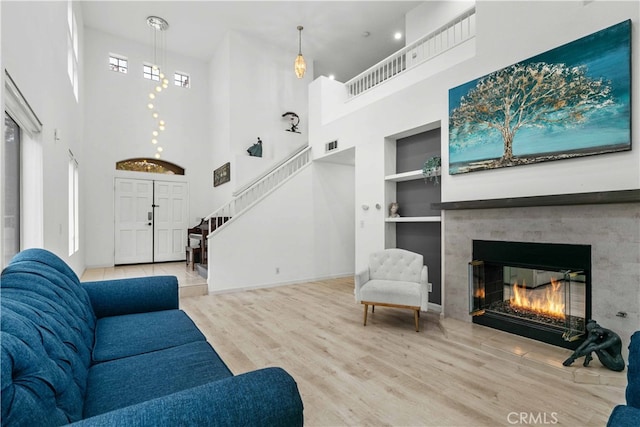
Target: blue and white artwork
{"type": "Point", "coordinates": [572, 101]}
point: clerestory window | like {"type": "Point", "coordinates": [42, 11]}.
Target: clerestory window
{"type": "Point", "coordinates": [181, 79]}
{"type": "Point", "coordinates": [150, 72]}
{"type": "Point", "coordinates": [118, 63]}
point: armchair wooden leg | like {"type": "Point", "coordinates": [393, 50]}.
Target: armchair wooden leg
{"type": "Point", "coordinates": [366, 308]}
{"type": "Point", "coordinates": [416, 316]}
{"type": "Point", "coordinates": [373, 308]}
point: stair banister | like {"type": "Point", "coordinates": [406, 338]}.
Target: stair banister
{"type": "Point", "coordinates": [258, 189]}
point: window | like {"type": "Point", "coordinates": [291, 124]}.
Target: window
{"type": "Point", "coordinates": [11, 182]}
{"type": "Point", "coordinates": [22, 169]}
{"type": "Point", "coordinates": [118, 63]}
{"type": "Point", "coordinates": [151, 73]}
{"type": "Point", "coordinates": [149, 165]}
{"type": "Point", "coordinates": [181, 79]}
{"type": "Point", "coordinates": [72, 49]}
{"type": "Point", "coordinates": [74, 222]}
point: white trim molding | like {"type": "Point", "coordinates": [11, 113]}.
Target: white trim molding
{"type": "Point", "coordinates": [18, 107]}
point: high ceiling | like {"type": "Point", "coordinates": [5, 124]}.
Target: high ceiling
{"type": "Point", "coordinates": [334, 31]}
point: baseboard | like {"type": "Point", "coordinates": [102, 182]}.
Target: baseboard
{"type": "Point", "coordinates": [276, 284]}
{"type": "Point", "coordinates": [436, 308]}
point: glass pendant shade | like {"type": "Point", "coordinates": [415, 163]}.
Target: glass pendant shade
{"type": "Point", "coordinates": [300, 66]}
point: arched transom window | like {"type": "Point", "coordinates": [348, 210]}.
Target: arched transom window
{"type": "Point", "coordinates": [149, 165]}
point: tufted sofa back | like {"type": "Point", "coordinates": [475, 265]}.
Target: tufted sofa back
{"type": "Point", "coordinates": [47, 333]}
{"type": "Point", "coordinates": [395, 264]}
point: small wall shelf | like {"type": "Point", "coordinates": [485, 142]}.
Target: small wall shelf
{"type": "Point", "coordinates": [414, 219]}
{"type": "Point", "coordinates": [407, 176]}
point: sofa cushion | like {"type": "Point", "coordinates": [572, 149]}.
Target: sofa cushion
{"type": "Point", "coordinates": [391, 292]}
{"type": "Point", "coordinates": [133, 334]}
{"type": "Point", "coordinates": [130, 380]}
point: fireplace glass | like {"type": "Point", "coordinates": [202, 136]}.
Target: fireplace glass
{"type": "Point", "coordinates": [537, 290]}
{"type": "Point", "coordinates": [549, 299]}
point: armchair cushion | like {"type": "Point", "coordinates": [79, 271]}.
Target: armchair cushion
{"type": "Point", "coordinates": [395, 264]}
{"type": "Point", "coordinates": [392, 292]}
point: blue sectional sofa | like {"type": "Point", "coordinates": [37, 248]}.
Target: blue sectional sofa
{"type": "Point", "coordinates": [119, 353]}
{"type": "Point", "coordinates": [629, 415]}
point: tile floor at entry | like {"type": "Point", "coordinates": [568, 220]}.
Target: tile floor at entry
{"type": "Point", "coordinates": [190, 282]}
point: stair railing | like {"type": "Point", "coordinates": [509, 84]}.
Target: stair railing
{"type": "Point", "coordinates": [259, 188]}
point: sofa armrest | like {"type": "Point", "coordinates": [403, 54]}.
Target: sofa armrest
{"type": "Point", "coordinates": [135, 295]}
{"type": "Point", "coordinates": [266, 397]}
{"type": "Point", "coordinates": [360, 279]}
{"type": "Point", "coordinates": [624, 416]}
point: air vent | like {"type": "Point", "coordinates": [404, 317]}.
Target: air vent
{"type": "Point", "coordinates": [330, 146]}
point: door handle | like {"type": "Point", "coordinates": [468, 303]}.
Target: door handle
{"type": "Point", "coordinates": [149, 224]}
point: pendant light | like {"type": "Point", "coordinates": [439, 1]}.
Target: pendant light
{"type": "Point", "coordinates": [158, 26]}
{"type": "Point", "coordinates": [300, 66]}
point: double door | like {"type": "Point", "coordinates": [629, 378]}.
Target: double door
{"type": "Point", "coordinates": [150, 220]}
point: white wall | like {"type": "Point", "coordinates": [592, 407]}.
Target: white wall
{"type": "Point", "coordinates": [431, 15]}
{"type": "Point", "coordinates": [34, 51]}
{"type": "Point", "coordinates": [118, 126]}
{"type": "Point", "coordinates": [304, 228]}
{"type": "Point", "coordinates": [253, 84]}
{"type": "Point", "coordinates": [503, 38]}
{"type": "Point", "coordinates": [220, 117]}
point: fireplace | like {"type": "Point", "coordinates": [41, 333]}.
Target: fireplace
{"type": "Point", "coordinates": [537, 290]}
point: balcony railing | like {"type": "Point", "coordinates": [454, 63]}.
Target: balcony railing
{"type": "Point", "coordinates": [450, 35]}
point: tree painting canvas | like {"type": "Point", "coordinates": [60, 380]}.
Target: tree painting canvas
{"type": "Point", "coordinates": [572, 101]}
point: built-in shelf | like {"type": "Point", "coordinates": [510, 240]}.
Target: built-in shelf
{"type": "Point", "coordinates": [404, 176]}
{"type": "Point", "coordinates": [414, 219]}
{"type": "Point", "coordinates": [408, 176]}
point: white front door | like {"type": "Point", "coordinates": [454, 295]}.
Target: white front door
{"type": "Point", "coordinates": [150, 220]}
{"type": "Point", "coordinates": [171, 223]}
{"type": "Point", "coordinates": [134, 221]}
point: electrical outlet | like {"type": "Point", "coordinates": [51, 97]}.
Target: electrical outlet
{"type": "Point", "coordinates": [429, 287]}
{"type": "Point", "coordinates": [277, 270]}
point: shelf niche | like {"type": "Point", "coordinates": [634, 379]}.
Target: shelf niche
{"type": "Point", "coordinates": [418, 227]}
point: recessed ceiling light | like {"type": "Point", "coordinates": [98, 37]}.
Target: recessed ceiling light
{"type": "Point", "coordinates": [397, 35]}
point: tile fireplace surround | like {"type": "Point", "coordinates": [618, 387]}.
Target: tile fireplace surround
{"type": "Point", "coordinates": [612, 230]}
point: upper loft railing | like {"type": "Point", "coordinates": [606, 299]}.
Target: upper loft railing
{"type": "Point", "coordinates": [450, 35]}
{"type": "Point", "coordinates": [277, 175]}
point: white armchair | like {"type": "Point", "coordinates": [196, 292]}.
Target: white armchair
{"type": "Point", "coordinates": [395, 278]}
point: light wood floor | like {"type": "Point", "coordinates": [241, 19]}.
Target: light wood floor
{"type": "Point", "coordinates": [387, 374]}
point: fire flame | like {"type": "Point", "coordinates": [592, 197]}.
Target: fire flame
{"type": "Point", "coordinates": [479, 293]}
{"type": "Point", "coordinates": [550, 304]}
